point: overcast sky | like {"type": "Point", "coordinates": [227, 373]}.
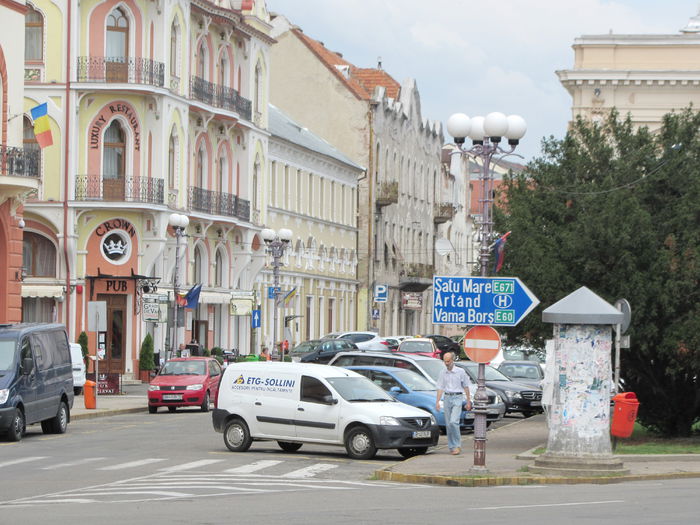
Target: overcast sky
{"type": "Point", "coordinates": [477, 57]}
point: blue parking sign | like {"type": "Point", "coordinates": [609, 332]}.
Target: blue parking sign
{"type": "Point", "coordinates": [381, 293]}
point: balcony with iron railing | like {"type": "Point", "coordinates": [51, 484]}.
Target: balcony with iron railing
{"type": "Point", "coordinates": [120, 189]}
{"type": "Point", "coordinates": [18, 162]}
{"type": "Point", "coordinates": [443, 212]}
{"type": "Point", "coordinates": [127, 70]}
{"type": "Point", "coordinates": [220, 96]}
{"type": "Point", "coordinates": [416, 277]}
{"type": "Point", "coordinates": [387, 193]}
{"type": "Point", "coordinates": [218, 203]}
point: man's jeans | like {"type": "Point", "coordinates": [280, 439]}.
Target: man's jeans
{"type": "Point", "coordinates": [452, 406]}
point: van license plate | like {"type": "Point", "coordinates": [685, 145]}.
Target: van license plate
{"type": "Point", "coordinates": [535, 403]}
{"type": "Point", "coordinates": [421, 434]}
{"type": "Point", "coordinates": [172, 397]}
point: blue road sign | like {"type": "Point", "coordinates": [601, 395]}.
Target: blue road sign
{"type": "Point", "coordinates": [381, 293]}
{"type": "Point", "coordinates": [271, 291]}
{"type": "Point", "coordinates": [496, 301]}
{"type": "Point", "coordinates": [255, 319]}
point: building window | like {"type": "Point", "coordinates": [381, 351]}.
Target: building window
{"type": "Point", "coordinates": [202, 61]}
{"type": "Point", "coordinates": [29, 141]}
{"type": "Point", "coordinates": [174, 47]}
{"type": "Point", "coordinates": [223, 70]}
{"type": "Point", "coordinates": [117, 35]}
{"type": "Point", "coordinates": [308, 317]}
{"type": "Point", "coordinates": [200, 167]}
{"type": "Point", "coordinates": [38, 255]}
{"type": "Point", "coordinates": [38, 310]}
{"type": "Point", "coordinates": [258, 89]}
{"type": "Point", "coordinates": [33, 35]}
{"type": "Point", "coordinates": [197, 267]}
{"type": "Point", "coordinates": [172, 148]}
{"type": "Point", "coordinates": [331, 315]}
{"type": "Point", "coordinates": [219, 269]}
{"type": "Point", "coordinates": [114, 151]}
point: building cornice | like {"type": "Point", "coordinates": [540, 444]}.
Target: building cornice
{"type": "Point", "coordinates": [638, 40]}
{"type": "Point", "coordinates": [307, 218]}
{"type": "Point", "coordinates": [574, 77]}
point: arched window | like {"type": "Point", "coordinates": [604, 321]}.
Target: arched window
{"type": "Point", "coordinates": [33, 35]}
{"type": "Point", "coordinates": [172, 151]}
{"type": "Point", "coordinates": [256, 176]}
{"type": "Point", "coordinates": [29, 139]}
{"type": "Point", "coordinates": [174, 49]}
{"type": "Point", "coordinates": [222, 175]}
{"type": "Point", "coordinates": [219, 269]}
{"type": "Point", "coordinates": [198, 267]}
{"type": "Point", "coordinates": [258, 89]}
{"type": "Point", "coordinates": [38, 255]}
{"type": "Point", "coordinates": [202, 61]}
{"type": "Point", "coordinates": [114, 151]}
{"type": "Point", "coordinates": [117, 34]}
{"type": "Point", "coordinates": [223, 70]}
{"type": "Point", "coordinates": [200, 167]}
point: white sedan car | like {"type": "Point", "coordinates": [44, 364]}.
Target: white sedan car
{"type": "Point", "coordinates": [366, 341]}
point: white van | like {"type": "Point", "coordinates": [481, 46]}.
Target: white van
{"type": "Point", "coordinates": [295, 403]}
{"type": "Point", "coordinates": [76, 357]}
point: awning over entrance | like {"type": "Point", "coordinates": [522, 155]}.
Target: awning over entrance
{"type": "Point", "coordinates": [42, 290]}
{"type": "Point", "coordinates": [214, 297]}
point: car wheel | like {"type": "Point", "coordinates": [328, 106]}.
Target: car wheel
{"type": "Point", "coordinates": [237, 436]}
{"type": "Point", "coordinates": [409, 452]}
{"type": "Point", "coordinates": [288, 446]}
{"type": "Point", "coordinates": [528, 413]}
{"type": "Point", "coordinates": [205, 403]}
{"type": "Point", "coordinates": [359, 443]}
{"type": "Point", "coordinates": [172, 409]}
{"type": "Point", "coordinates": [18, 426]}
{"type": "Point", "coordinates": [152, 410]}
{"type": "Point", "coordinates": [57, 424]}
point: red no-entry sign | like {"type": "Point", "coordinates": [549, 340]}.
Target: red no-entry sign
{"type": "Point", "coordinates": [481, 344]}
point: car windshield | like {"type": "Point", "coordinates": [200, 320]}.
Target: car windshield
{"type": "Point", "coordinates": [414, 381]}
{"type": "Point", "coordinates": [415, 347]}
{"type": "Point", "coordinates": [303, 348]}
{"type": "Point", "coordinates": [184, 368]}
{"type": "Point", "coordinates": [432, 367]}
{"type": "Point", "coordinates": [7, 355]}
{"type": "Point", "coordinates": [359, 390]}
{"type": "Point", "coordinates": [490, 373]}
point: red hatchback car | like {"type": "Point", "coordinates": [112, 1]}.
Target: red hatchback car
{"type": "Point", "coordinates": [419, 345]}
{"type": "Point", "coordinates": [185, 382]}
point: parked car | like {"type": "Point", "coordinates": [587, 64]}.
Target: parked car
{"type": "Point", "coordinates": [185, 382]}
{"type": "Point", "coordinates": [413, 389]}
{"type": "Point", "coordinates": [332, 335]}
{"type": "Point", "coordinates": [445, 344]}
{"type": "Point", "coordinates": [428, 367]}
{"type": "Point", "coordinates": [320, 350]}
{"type": "Point", "coordinates": [76, 357]}
{"type": "Point", "coordinates": [297, 403]}
{"type": "Point", "coordinates": [366, 340]}
{"type": "Point", "coordinates": [517, 397]}
{"type": "Point", "coordinates": [395, 340]}
{"type": "Point", "coordinates": [525, 372]}
{"type": "Point", "coordinates": [420, 346]}
{"type": "Point", "coordinates": [36, 378]}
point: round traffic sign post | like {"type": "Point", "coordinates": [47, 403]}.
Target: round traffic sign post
{"type": "Point", "coordinates": [481, 344]}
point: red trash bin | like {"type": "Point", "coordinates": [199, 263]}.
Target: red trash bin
{"type": "Point", "coordinates": [624, 414]}
{"type": "Point", "coordinates": [89, 394]}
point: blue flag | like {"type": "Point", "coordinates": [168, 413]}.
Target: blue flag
{"type": "Point", "coordinates": [192, 296]}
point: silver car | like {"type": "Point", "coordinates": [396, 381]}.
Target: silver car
{"type": "Point", "coordinates": [366, 341]}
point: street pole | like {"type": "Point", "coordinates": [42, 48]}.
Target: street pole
{"type": "Point", "coordinates": [179, 223]}
{"type": "Point", "coordinates": [486, 134]}
{"type": "Point", "coordinates": [277, 243]}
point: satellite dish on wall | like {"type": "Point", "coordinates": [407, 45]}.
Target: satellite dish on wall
{"type": "Point", "coordinates": [443, 246]}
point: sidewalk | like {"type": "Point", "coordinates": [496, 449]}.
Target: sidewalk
{"type": "Point", "coordinates": [508, 453]}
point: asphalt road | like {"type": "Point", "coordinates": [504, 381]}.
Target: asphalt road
{"type": "Point", "coordinates": [173, 468]}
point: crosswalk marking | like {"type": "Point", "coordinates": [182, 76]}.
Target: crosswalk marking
{"type": "Point", "coordinates": [132, 464]}
{"type": "Point", "coordinates": [72, 463]}
{"type": "Point", "coordinates": [191, 465]}
{"type": "Point", "coordinates": [253, 467]}
{"type": "Point", "coordinates": [22, 460]}
{"type": "Point", "coordinates": [310, 471]}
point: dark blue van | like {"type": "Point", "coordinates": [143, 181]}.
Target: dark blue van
{"type": "Point", "coordinates": [36, 378]}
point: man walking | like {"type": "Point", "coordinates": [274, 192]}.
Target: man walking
{"type": "Point", "coordinates": [453, 381]}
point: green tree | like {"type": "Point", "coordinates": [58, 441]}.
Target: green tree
{"type": "Point", "coordinates": [83, 342]}
{"type": "Point", "coordinates": [146, 354]}
{"type": "Point", "coordinates": [617, 209]}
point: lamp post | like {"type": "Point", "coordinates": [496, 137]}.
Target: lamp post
{"type": "Point", "coordinates": [486, 135]}
{"type": "Point", "coordinates": [277, 243]}
{"type": "Point", "coordinates": [179, 222]}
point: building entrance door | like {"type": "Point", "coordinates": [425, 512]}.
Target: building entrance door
{"type": "Point", "coordinates": [116, 333]}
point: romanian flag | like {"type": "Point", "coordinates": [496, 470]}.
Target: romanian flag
{"type": "Point", "coordinates": [42, 130]}
{"type": "Point", "coordinates": [499, 252]}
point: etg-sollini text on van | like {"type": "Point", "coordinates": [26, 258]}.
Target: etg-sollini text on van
{"type": "Point", "coordinates": [296, 403]}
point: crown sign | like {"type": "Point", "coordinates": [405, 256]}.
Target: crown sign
{"type": "Point", "coordinates": [115, 248]}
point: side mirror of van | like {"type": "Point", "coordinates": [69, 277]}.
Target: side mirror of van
{"type": "Point", "coordinates": [27, 365]}
{"type": "Point", "coordinates": [330, 400]}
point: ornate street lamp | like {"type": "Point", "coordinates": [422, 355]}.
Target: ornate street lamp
{"type": "Point", "coordinates": [179, 222]}
{"type": "Point", "coordinates": [277, 243]}
{"type": "Point", "coordinates": [486, 135]}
